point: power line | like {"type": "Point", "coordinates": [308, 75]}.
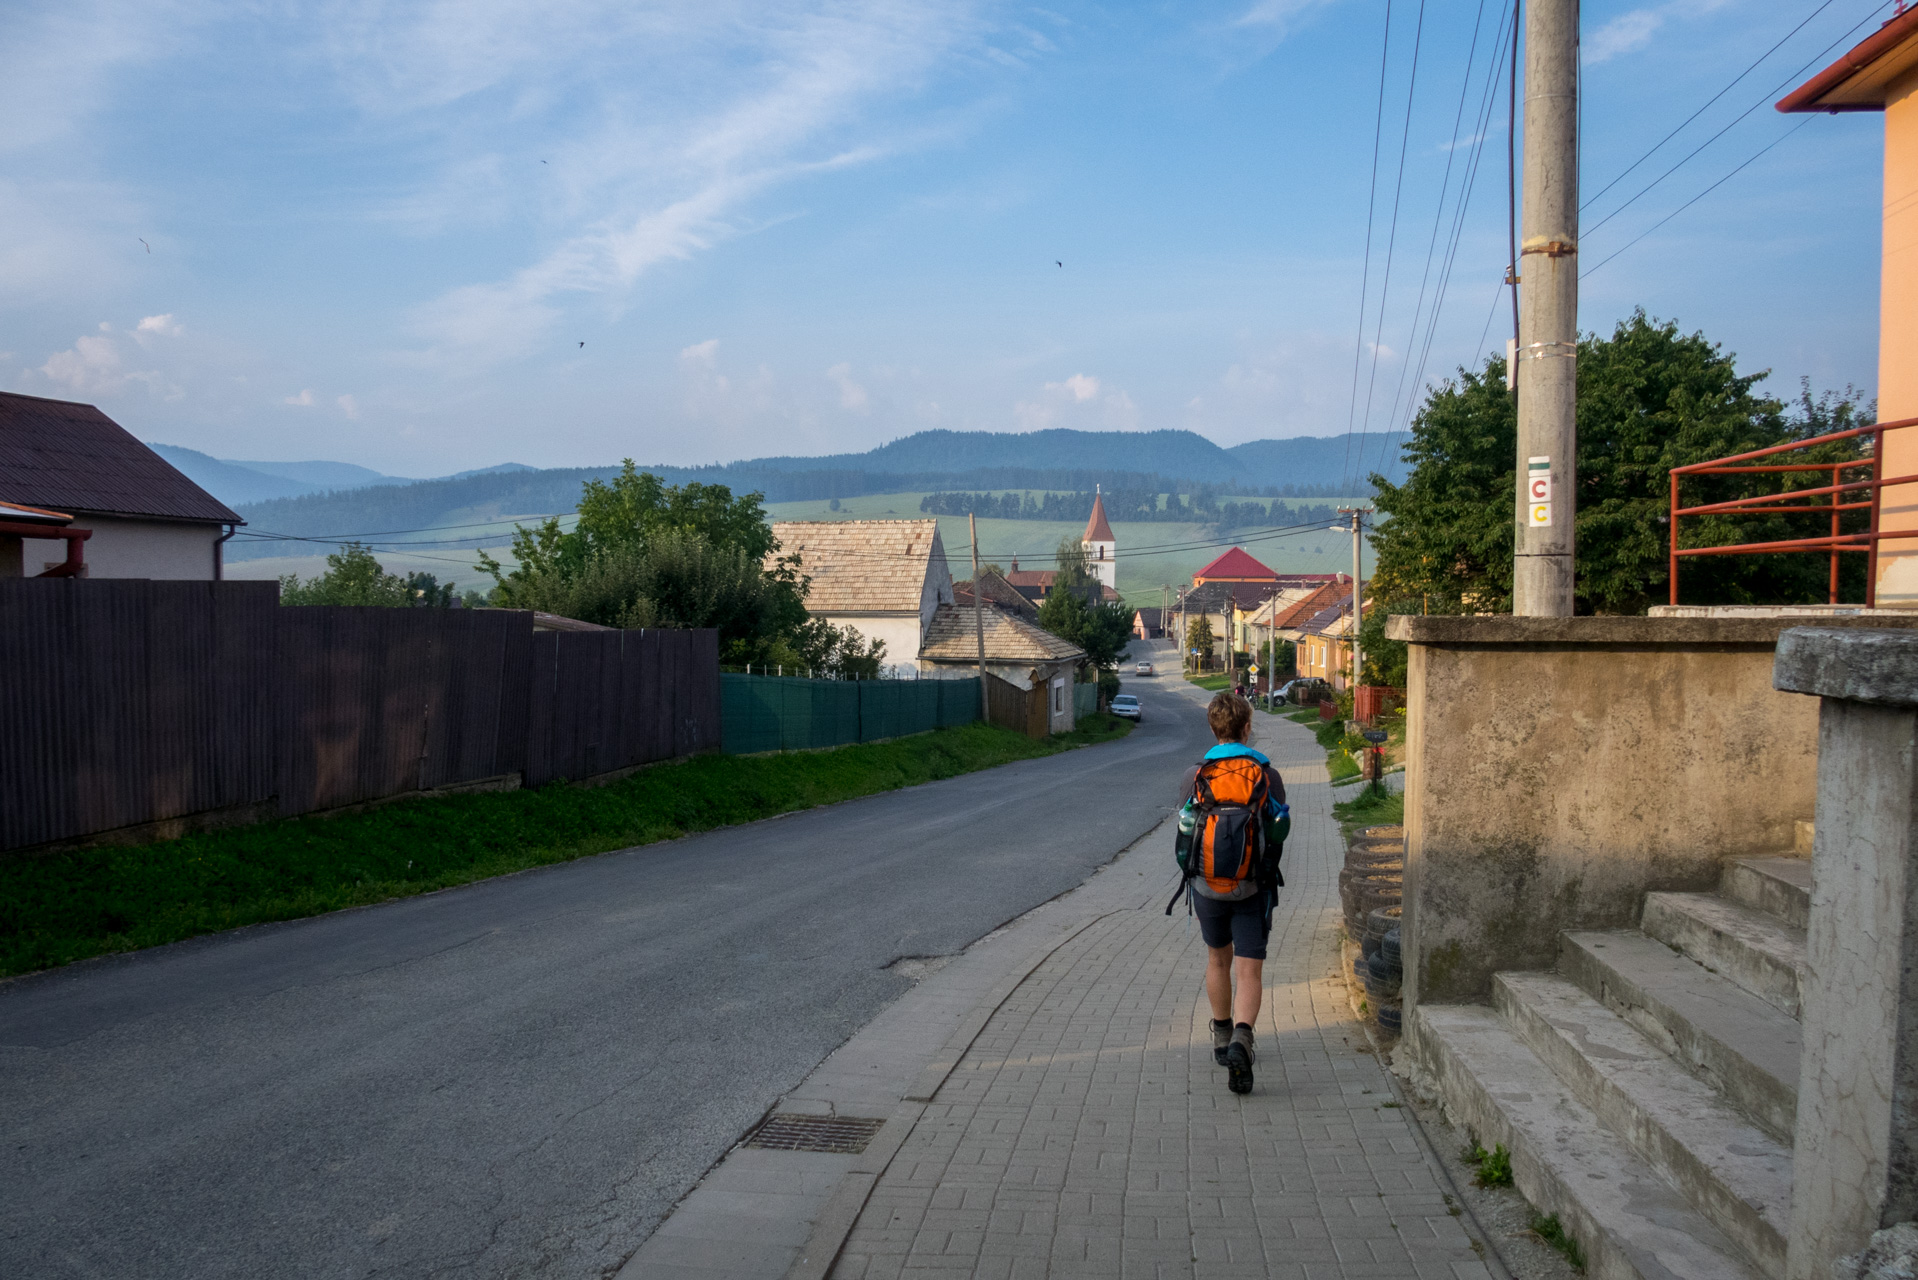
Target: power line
{"type": "Point", "coordinates": [1701, 195]}
{"type": "Point", "coordinates": [1708, 102]}
{"type": "Point", "coordinates": [1365, 275]}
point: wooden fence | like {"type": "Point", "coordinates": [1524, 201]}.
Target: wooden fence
{"type": "Point", "coordinates": [149, 708]}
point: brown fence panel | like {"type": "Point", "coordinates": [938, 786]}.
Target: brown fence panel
{"type": "Point", "coordinates": [476, 717]}
{"type": "Point", "coordinates": [608, 700]}
{"type": "Point", "coordinates": [1021, 710]}
{"type": "Point", "coordinates": [357, 686]}
{"type": "Point", "coordinates": [127, 702]}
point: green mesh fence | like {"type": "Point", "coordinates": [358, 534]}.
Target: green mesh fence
{"type": "Point", "coordinates": [773, 713]}
{"type": "Point", "coordinates": [1085, 700]}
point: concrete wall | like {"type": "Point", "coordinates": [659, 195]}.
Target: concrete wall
{"type": "Point", "coordinates": [1898, 338]}
{"type": "Point", "coordinates": [157, 549]}
{"type": "Point", "coordinates": [1559, 768]}
{"type": "Point", "coordinates": [901, 632]}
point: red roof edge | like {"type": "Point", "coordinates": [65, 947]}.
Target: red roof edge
{"type": "Point", "coordinates": [1873, 47]}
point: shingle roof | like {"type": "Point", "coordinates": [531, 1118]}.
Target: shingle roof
{"type": "Point", "coordinates": [1235, 563]}
{"type": "Point", "coordinates": [72, 457]}
{"type": "Point", "coordinates": [952, 638]}
{"type": "Point", "coordinates": [998, 592]}
{"type": "Point", "coordinates": [1097, 530]}
{"type": "Point", "coordinates": [1331, 595]}
{"type": "Point", "coordinates": [1147, 614]}
{"type": "Point", "coordinates": [1211, 597]}
{"type": "Point", "coordinates": [863, 566]}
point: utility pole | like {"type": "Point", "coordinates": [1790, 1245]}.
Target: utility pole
{"type": "Point", "coordinates": [1548, 315]}
{"type": "Point", "coordinates": [1358, 515]}
{"type": "Point", "coordinates": [979, 618]}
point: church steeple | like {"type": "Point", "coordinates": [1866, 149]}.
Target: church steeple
{"type": "Point", "coordinates": [1101, 548]}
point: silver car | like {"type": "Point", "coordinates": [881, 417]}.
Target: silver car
{"type": "Point", "coordinates": [1127, 705]}
{"type": "Point", "coordinates": [1143, 669]}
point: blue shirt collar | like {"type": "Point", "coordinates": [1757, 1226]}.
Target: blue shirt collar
{"type": "Point", "coordinates": [1228, 750]}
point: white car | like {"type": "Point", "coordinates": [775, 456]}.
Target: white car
{"type": "Point", "coordinates": [1127, 705]}
{"type": "Point", "coordinates": [1143, 669]}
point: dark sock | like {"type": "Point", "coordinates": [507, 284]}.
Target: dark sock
{"type": "Point", "coordinates": [1246, 1025]}
{"type": "Point", "coordinates": [1221, 1022]}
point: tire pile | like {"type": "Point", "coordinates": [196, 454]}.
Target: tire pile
{"type": "Point", "coordinates": [1371, 892]}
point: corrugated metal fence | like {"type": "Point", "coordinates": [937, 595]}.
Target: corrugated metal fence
{"type": "Point", "coordinates": [771, 713]}
{"type": "Point", "coordinates": [131, 705]}
{"type": "Point", "coordinates": [1085, 701]}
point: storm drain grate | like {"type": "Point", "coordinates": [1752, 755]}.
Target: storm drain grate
{"type": "Point", "coordinates": [841, 1135]}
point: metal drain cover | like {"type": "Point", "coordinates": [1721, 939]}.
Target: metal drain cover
{"type": "Point", "coordinates": [841, 1135]}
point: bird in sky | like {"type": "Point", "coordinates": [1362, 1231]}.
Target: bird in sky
{"type": "Point", "coordinates": [582, 346]}
{"type": "Point", "coordinates": [1059, 264]}
{"type": "Point", "coordinates": [142, 241]}
{"type": "Point", "coordinates": [542, 162]}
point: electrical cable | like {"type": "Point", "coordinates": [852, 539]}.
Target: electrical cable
{"type": "Point", "coordinates": [1365, 275]}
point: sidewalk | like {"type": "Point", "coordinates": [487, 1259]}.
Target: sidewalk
{"type": "Point", "coordinates": [1073, 1122]}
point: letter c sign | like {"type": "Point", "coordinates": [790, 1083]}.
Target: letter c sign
{"type": "Point", "coordinates": [1538, 492]}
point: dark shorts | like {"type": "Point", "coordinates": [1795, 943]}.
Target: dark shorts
{"type": "Point", "coordinates": [1240, 923]}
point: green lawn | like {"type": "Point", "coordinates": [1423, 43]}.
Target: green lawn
{"type": "Point", "coordinates": [1212, 683]}
{"type": "Point", "coordinates": [1372, 807]}
{"type": "Point", "coordinates": [58, 908]}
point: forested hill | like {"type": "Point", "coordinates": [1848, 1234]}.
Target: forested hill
{"type": "Point", "coordinates": [1150, 462]}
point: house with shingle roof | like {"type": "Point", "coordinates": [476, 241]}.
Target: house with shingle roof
{"type": "Point", "coordinates": [882, 578]}
{"type": "Point", "coordinates": [1018, 651]}
{"type": "Point", "coordinates": [109, 506]}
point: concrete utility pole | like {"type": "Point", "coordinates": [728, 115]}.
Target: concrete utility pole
{"type": "Point", "coordinates": [1548, 315]}
{"type": "Point", "coordinates": [1358, 515]}
{"type": "Point", "coordinates": [979, 618]}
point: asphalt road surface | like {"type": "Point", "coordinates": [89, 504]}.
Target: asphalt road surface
{"type": "Point", "coordinates": [519, 1077]}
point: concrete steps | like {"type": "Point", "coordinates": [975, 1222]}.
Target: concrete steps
{"type": "Point", "coordinates": [1758, 951]}
{"type": "Point", "coordinates": [1726, 1036]}
{"type": "Point", "coordinates": [1630, 1222]}
{"type": "Point", "coordinates": [1647, 1090]}
{"type": "Point", "coordinates": [1734, 1173]}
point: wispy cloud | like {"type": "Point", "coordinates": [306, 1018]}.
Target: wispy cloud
{"type": "Point", "coordinates": [1623, 34]}
{"type": "Point", "coordinates": [97, 365]}
{"type": "Point", "coordinates": [304, 399]}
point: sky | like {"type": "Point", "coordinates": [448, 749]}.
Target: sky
{"type": "Point", "coordinates": [437, 236]}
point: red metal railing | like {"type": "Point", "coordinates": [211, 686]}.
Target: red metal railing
{"type": "Point", "coordinates": [1798, 502]}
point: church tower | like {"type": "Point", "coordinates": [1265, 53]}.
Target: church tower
{"type": "Point", "coordinates": [1102, 551]}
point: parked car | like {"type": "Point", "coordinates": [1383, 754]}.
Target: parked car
{"type": "Point", "coordinates": [1307, 689]}
{"type": "Point", "coordinates": [1126, 705]}
{"type": "Point", "coordinates": [1143, 669]}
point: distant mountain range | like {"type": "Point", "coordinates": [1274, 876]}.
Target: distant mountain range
{"type": "Point", "coordinates": [237, 483]}
{"type": "Point", "coordinates": [356, 501]}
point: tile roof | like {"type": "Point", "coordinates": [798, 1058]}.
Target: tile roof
{"type": "Point", "coordinates": [1213, 596]}
{"type": "Point", "coordinates": [1235, 563]}
{"type": "Point", "coordinates": [1147, 614]}
{"type": "Point", "coordinates": [999, 593]}
{"type": "Point", "coordinates": [1331, 595]}
{"type": "Point", "coordinates": [72, 457]}
{"type": "Point", "coordinates": [1327, 619]}
{"type": "Point", "coordinates": [863, 566]}
{"type": "Point", "coordinates": [952, 638]}
{"type": "Point", "coordinates": [1097, 530]}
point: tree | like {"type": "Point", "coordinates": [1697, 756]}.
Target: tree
{"type": "Point", "coordinates": [1649, 399]}
{"type": "Point", "coordinates": [1074, 609]}
{"type": "Point", "coordinates": [353, 576]}
{"type": "Point", "coordinates": [1198, 635]}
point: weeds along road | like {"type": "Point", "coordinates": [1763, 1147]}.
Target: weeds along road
{"type": "Point", "coordinates": [518, 1077]}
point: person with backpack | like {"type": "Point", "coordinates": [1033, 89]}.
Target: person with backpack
{"type": "Point", "coordinates": [1232, 828]}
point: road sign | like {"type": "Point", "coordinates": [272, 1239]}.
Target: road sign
{"type": "Point", "coordinates": [1254, 668]}
{"type": "Point", "coordinates": [1538, 493]}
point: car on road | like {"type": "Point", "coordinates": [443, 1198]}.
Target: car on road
{"type": "Point", "coordinates": [1143, 669]}
{"type": "Point", "coordinates": [1127, 705]}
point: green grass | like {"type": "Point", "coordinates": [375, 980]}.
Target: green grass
{"type": "Point", "coordinates": [1494, 1166]}
{"type": "Point", "coordinates": [1552, 1232]}
{"type": "Point", "coordinates": [58, 908]}
{"type": "Point", "coordinates": [1211, 684]}
{"type": "Point", "coordinates": [1372, 807]}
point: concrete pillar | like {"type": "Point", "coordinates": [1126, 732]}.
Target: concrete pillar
{"type": "Point", "coordinates": [1855, 1157]}
{"type": "Point", "coordinates": [1897, 339]}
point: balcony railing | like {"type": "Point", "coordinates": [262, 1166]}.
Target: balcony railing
{"type": "Point", "coordinates": [1835, 543]}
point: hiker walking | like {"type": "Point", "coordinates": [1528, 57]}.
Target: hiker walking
{"type": "Point", "coordinates": [1232, 828]}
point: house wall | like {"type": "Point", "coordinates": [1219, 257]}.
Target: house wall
{"type": "Point", "coordinates": [1898, 339]}
{"type": "Point", "coordinates": [131, 549]}
{"type": "Point", "coordinates": [901, 632]}
{"type": "Point", "coordinates": [936, 590]}
{"type": "Point", "coordinates": [1559, 768]}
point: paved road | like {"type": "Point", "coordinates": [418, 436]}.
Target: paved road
{"type": "Point", "coordinates": [519, 1077]}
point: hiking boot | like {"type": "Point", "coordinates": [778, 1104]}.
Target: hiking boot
{"type": "Point", "coordinates": [1221, 1037]}
{"type": "Point", "coordinates": [1239, 1057]}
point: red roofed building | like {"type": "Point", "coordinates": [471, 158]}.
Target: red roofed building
{"type": "Point", "coordinates": [1234, 566]}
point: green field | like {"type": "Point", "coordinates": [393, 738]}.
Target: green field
{"type": "Point", "coordinates": [1152, 556]}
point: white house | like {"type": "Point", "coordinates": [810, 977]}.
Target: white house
{"type": "Point", "coordinates": [882, 578]}
{"type": "Point", "coordinates": [86, 475]}
{"type": "Point", "coordinates": [1018, 651]}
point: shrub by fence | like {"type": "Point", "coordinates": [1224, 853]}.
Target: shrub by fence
{"type": "Point", "coordinates": [775, 713]}
{"type": "Point", "coordinates": [147, 708]}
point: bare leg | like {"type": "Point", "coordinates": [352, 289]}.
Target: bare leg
{"type": "Point", "coordinates": [1248, 977]}
{"type": "Point", "coordinates": [1218, 981]}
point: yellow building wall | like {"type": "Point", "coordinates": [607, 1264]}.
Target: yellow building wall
{"type": "Point", "coordinates": [1898, 343]}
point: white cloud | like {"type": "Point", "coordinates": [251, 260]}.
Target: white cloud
{"type": "Point", "coordinates": [1080, 401]}
{"type": "Point", "coordinates": [1623, 34]}
{"type": "Point", "coordinates": [706, 353]}
{"type": "Point", "coordinates": [96, 366]}
{"type": "Point", "coordinates": [1081, 387]}
{"type": "Point", "coordinates": [851, 394]}
{"type": "Point", "coordinates": [165, 326]}
{"type": "Point", "coordinates": [303, 398]}
{"type": "Point", "coordinates": [348, 405]}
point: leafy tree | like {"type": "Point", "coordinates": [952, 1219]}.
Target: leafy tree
{"type": "Point", "coordinates": [1198, 635]}
{"type": "Point", "coordinates": [1074, 609]}
{"type": "Point", "coordinates": [1649, 399]}
{"type": "Point", "coordinates": [353, 576]}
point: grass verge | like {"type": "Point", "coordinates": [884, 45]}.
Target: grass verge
{"type": "Point", "coordinates": [1211, 684]}
{"type": "Point", "coordinates": [58, 908]}
{"type": "Point", "coordinates": [1372, 807]}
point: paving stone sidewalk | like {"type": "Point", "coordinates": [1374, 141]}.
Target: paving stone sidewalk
{"type": "Point", "coordinates": [1087, 1131]}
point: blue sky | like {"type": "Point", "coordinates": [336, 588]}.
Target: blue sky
{"type": "Point", "coordinates": [379, 232]}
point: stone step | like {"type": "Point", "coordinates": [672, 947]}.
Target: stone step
{"type": "Point", "coordinates": [1763, 955]}
{"type": "Point", "coordinates": [1729, 1038]}
{"type": "Point", "coordinates": [1779, 887]}
{"type": "Point", "coordinates": [1631, 1224]}
{"type": "Point", "coordinates": [1729, 1169]}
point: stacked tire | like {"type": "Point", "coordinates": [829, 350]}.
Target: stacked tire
{"type": "Point", "coordinates": [1384, 973]}
{"type": "Point", "coordinates": [1371, 891]}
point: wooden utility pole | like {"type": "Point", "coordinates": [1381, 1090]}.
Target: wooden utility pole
{"type": "Point", "coordinates": [979, 618]}
{"type": "Point", "coordinates": [1547, 355]}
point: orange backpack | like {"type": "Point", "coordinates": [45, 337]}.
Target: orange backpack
{"type": "Point", "coordinates": [1228, 842]}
